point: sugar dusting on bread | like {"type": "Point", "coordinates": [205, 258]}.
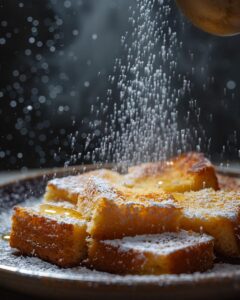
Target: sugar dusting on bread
{"type": "Point", "coordinates": [208, 202]}
{"type": "Point", "coordinates": [162, 244]}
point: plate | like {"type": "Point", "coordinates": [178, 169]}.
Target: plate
{"type": "Point", "coordinates": [37, 278]}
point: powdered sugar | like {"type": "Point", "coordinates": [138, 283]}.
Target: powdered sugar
{"type": "Point", "coordinates": [5, 215]}
{"type": "Point", "coordinates": [101, 189]}
{"type": "Point", "coordinates": [77, 184]}
{"type": "Point", "coordinates": [74, 184]}
{"type": "Point", "coordinates": [152, 203]}
{"type": "Point", "coordinates": [160, 244]}
{"type": "Point", "coordinates": [209, 203]}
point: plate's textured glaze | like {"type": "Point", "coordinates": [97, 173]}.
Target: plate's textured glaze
{"type": "Point", "coordinates": [33, 276]}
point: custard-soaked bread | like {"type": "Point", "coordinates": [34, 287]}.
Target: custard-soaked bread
{"type": "Point", "coordinates": [116, 212]}
{"type": "Point", "coordinates": [166, 253]}
{"type": "Point", "coordinates": [216, 213]}
{"type": "Point", "coordinates": [54, 237]}
{"type": "Point", "coordinates": [186, 172]}
{"type": "Point", "coordinates": [69, 188]}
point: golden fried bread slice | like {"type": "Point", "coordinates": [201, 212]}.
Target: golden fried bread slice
{"type": "Point", "coordinates": [166, 253]}
{"type": "Point", "coordinates": [69, 188]}
{"type": "Point", "coordinates": [216, 213]}
{"type": "Point", "coordinates": [186, 172]}
{"type": "Point", "coordinates": [114, 212]}
{"type": "Point", "coordinates": [56, 238]}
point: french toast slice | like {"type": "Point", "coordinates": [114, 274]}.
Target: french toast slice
{"type": "Point", "coordinates": [58, 237]}
{"type": "Point", "coordinates": [70, 187]}
{"type": "Point", "coordinates": [216, 213]}
{"type": "Point", "coordinates": [186, 172]}
{"type": "Point", "coordinates": [166, 253]}
{"type": "Point", "coordinates": [114, 212]}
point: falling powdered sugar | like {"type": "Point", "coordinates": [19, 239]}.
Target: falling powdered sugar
{"type": "Point", "coordinates": [144, 124]}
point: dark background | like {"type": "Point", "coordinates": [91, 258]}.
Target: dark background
{"type": "Point", "coordinates": [55, 59]}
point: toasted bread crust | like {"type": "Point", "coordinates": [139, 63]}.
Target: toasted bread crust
{"type": "Point", "coordinates": [114, 258]}
{"type": "Point", "coordinates": [60, 243]}
{"type": "Point", "coordinates": [190, 171]}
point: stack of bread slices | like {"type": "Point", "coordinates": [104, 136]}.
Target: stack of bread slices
{"type": "Point", "coordinates": [160, 218]}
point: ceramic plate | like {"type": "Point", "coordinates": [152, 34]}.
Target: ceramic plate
{"type": "Point", "coordinates": [35, 277]}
